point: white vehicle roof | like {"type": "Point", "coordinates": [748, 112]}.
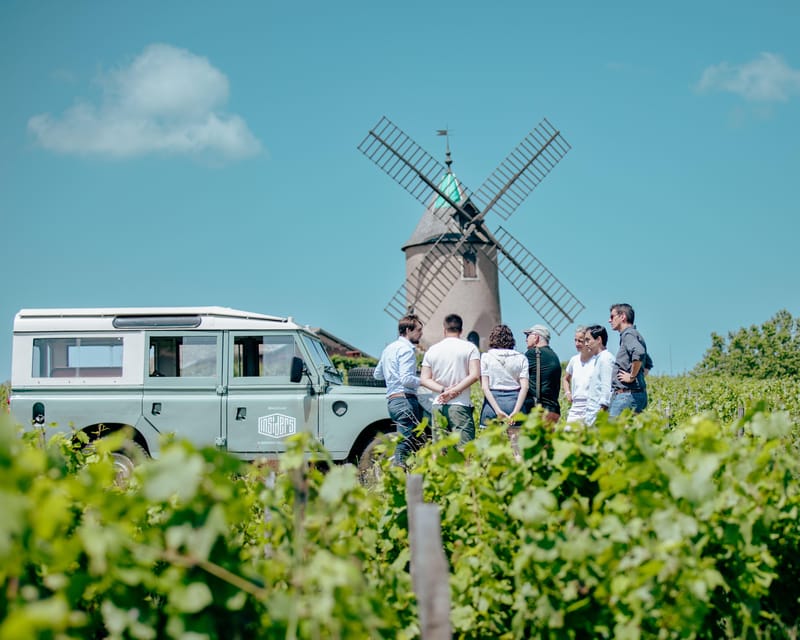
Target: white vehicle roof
{"type": "Point", "coordinates": [108, 319]}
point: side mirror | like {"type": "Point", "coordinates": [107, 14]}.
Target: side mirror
{"type": "Point", "coordinates": [296, 373]}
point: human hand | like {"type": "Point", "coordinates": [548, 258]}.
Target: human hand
{"type": "Point", "coordinates": [624, 376]}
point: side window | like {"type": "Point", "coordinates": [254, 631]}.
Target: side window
{"type": "Point", "coordinates": [264, 356]}
{"type": "Point", "coordinates": [183, 356]}
{"type": "Point", "coordinates": [77, 357]}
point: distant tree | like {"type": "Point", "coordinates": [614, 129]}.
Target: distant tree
{"type": "Point", "coordinates": [771, 350]}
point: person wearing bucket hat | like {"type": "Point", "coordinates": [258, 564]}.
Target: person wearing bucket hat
{"type": "Point", "coordinates": [545, 373]}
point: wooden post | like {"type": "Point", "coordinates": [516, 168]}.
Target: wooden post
{"type": "Point", "coordinates": [430, 574]}
{"type": "Point", "coordinates": [413, 497]}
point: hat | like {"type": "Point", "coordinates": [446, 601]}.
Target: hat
{"type": "Point", "coordinates": [539, 330]}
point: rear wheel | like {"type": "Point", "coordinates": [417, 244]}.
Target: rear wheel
{"type": "Point", "coordinates": [124, 460]}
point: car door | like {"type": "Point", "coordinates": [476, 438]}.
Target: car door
{"type": "Point", "coordinates": [264, 407]}
{"type": "Point", "coordinates": [183, 389]}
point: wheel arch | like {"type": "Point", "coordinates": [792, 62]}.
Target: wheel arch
{"type": "Point", "coordinates": [367, 435]}
{"type": "Point", "coordinates": [103, 429]}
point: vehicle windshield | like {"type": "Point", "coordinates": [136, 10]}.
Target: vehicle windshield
{"type": "Point", "coordinates": [321, 359]}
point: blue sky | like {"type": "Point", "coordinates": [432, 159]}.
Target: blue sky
{"type": "Point", "coordinates": [204, 153]}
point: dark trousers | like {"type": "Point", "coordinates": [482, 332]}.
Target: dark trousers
{"type": "Point", "coordinates": [406, 413]}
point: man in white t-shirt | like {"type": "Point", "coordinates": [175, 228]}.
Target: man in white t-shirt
{"type": "Point", "coordinates": [449, 368]}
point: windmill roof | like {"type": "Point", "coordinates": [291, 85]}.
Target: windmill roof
{"type": "Point", "coordinates": [430, 226]}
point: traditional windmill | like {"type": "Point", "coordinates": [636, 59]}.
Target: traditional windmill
{"type": "Point", "coordinates": [452, 259]}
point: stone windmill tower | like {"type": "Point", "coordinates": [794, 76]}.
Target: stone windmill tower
{"type": "Point", "coordinates": [452, 258]}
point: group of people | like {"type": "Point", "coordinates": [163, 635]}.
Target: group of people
{"type": "Point", "coordinates": [596, 381]}
{"type": "Point", "coordinates": [513, 382]}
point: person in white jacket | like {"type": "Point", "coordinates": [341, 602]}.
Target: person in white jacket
{"type": "Point", "coordinates": [599, 396]}
{"type": "Point", "coordinates": [504, 377]}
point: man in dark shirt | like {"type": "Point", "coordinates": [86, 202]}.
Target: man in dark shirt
{"type": "Point", "coordinates": [628, 388]}
{"type": "Point", "coordinates": [545, 373]}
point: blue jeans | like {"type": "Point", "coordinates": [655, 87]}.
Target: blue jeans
{"type": "Point", "coordinates": [636, 400]}
{"type": "Point", "coordinates": [459, 419]}
{"type": "Point", "coordinates": [406, 413]}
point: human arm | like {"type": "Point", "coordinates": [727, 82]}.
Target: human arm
{"type": "Point", "coordinates": [629, 377]}
{"type": "Point", "coordinates": [566, 385]}
{"type": "Point", "coordinates": [605, 368]}
{"type": "Point", "coordinates": [426, 380]}
{"type": "Point", "coordinates": [523, 394]}
{"type": "Point", "coordinates": [637, 354]}
{"type": "Point", "coordinates": [489, 396]}
{"type": "Point", "coordinates": [407, 363]}
{"type": "Point", "coordinates": [472, 377]}
{"type": "Point", "coordinates": [378, 373]}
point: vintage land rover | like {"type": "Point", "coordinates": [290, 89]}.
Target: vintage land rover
{"type": "Point", "coordinates": [241, 381]}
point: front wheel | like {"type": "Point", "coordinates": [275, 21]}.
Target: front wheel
{"type": "Point", "coordinates": [376, 454]}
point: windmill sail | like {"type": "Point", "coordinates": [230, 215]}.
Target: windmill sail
{"type": "Point", "coordinates": [522, 171]}
{"type": "Point", "coordinates": [462, 214]}
{"type": "Point", "coordinates": [536, 283]}
{"type": "Point", "coordinates": [411, 167]}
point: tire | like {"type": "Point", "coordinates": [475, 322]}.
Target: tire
{"type": "Point", "coordinates": [377, 453]}
{"type": "Point", "coordinates": [362, 377]}
{"type": "Point", "coordinates": [124, 461]}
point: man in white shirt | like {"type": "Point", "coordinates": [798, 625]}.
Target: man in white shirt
{"type": "Point", "coordinates": [449, 368]}
{"type": "Point", "coordinates": [599, 397]}
{"type": "Point", "coordinates": [398, 367]}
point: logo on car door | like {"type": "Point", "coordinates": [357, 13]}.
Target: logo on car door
{"type": "Point", "coordinates": [277, 425]}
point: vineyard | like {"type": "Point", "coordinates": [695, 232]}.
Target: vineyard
{"type": "Point", "coordinates": [679, 523]}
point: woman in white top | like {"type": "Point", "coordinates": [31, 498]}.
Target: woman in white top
{"type": "Point", "coordinates": [504, 377]}
{"type": "Point", "coordinates": [576, 377]}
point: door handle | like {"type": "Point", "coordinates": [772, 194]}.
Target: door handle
{"type": "Point", "coordinates": [241, 413]}
{"type": "Point", "coordinates": [156, 410]}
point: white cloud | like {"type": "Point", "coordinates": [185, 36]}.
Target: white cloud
{"type": "Point", "coordinates": [766, 79]}
{"type": "Point", "coordinates": [167, 100]}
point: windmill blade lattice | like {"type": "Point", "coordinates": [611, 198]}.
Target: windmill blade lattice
{"type": "Point", "coordinates": [536, 283]}
{"type": "Point", "coordinates": [409, 165]}
{"type": "Point", "coordinates": [522, 171]}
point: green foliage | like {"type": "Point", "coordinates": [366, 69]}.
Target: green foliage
{"type": "Point", "coordinates": [634, 529]}
{"type": "Point", "coordinates": [199, 545]}
{"type": "Point", "coordinates": [345, 363]}
{"type": "Point", "coordinates": [680, 398]}
{"type": "Point", "coordinates": [5, 391]}
{"type": "Point", "coordinates": [629, 530]}
{"type": "Point", "coordinates": [771, 350]}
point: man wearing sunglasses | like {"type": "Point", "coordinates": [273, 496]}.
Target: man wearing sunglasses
{"type": "Point", "coordinates": [628, 388]}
